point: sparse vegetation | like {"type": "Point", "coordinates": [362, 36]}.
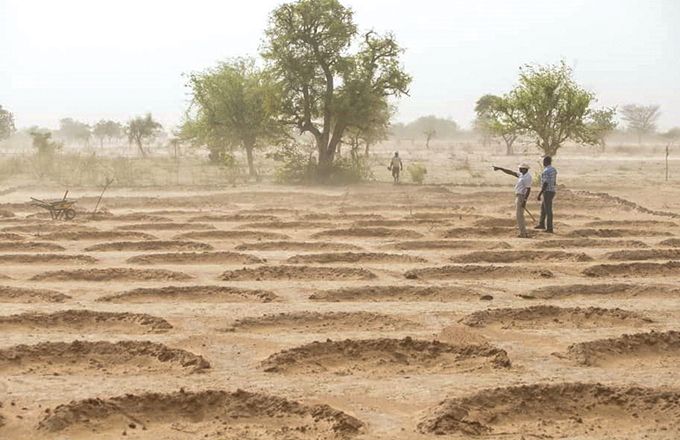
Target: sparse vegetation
{"type": "Point", "coordinates": [417, 171]}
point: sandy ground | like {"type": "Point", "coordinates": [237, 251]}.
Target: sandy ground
{"type": "Point", "coordinates": [372, 312]}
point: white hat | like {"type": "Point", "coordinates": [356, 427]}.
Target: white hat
{"type": "Point", "coordinates": [524, 165]}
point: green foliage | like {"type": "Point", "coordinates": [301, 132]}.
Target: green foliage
{"type": "Point", "coordinates": [490, 121]}
{"type": "Point", "coordinates": [601, 124]}
{"type": "Point", "coordinates": [142, 129]}
{"type": "Point", "coordinates": [549, 107]}
{"type": "Point", "coordinates": [326, 87]}
{"type": "Point", "coordinates": [7, 127]}
{"type": "Point", "coordinates": [640, 119]}
{"type": "Point", "coordinates": [107, 130]}
{"type": "Point", "coordinates": [74, 131]}
{"type": "Point", "coordinates": [673, 134]}
{"type": "Point", "coordinates": [430, 126]}
{"type": "Point", "coordinates": [45, 149]}
{"type": "Point", "coordinates": [296, 165]}
{"type": "Point", "coordinates": [417, 171]}
{"type": "Point", "coordinates": [234, 105]}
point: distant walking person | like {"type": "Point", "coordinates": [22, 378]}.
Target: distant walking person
{"type": "Point", "coordinates": [548, 188]}
{"type": "Point", "coordinates": [396, 166]}
{"type": "Point", "coordinates": [522, 191]}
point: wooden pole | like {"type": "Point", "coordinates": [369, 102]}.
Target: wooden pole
{"type": "Point", "coordinates": [109, 181]}
{"type": "Point", "coordinates": [667, 153]}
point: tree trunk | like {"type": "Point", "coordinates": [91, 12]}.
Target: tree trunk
{"type": "Point", "coordinates": [249, 155]}
{"type": "Point", "coordinates": [141, 148]}
{"type": "Point", "coordinates": [368, 146]}
{"type": "Point", "coordinates": [325, 164]}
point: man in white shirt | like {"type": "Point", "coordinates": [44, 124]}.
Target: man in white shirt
{"type": "Point", "coordinates": [522, 191]}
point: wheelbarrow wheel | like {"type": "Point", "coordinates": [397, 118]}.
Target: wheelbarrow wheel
{"type": "Point", "coordinates": [70, 214]}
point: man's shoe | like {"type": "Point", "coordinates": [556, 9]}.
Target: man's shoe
{"type": "Point", "coordinates": [539, 227]}
{"type": "Point", "coordinates": [549, 231]}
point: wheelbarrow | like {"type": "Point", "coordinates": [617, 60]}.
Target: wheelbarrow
{"type": "Point", "coordinates": [58, 208]}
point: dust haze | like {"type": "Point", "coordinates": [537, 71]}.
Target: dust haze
{"type": "Point", "coordinates": [334, 219]}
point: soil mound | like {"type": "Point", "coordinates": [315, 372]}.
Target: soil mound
{"type": "Point", "coordinates": [397, 293]}
{"type": "Point", "coordinates": [139, 217]}
{"type": "Point", "coordinates": [46, 259]}
{"type": "Point", "coordinates": [613, 290]}
{"type": "Point", "coordinates": [232, 235]}
{"type": "Point", "coordinates": [494, 231]}
{"type": "Point", "coordinates": [285, 272]}
{"type": "Point", "coordinates": [384, 356]}
{"type": "Point", "coordinates": [448, 244]}
{"type": "Point", "coordinates": [10, 294]}
{"type": "Point", "coordinates": [214, 414]}
{"type": "Point", "coordinates": [205, 294]}
{"type": "Point", "coordinates": [296, 246]}
{"type": "Point", "coordinates": [629, 223]}
{"type": "Point", "coordinates": [10, 236]}
{"type": "Point", "coordinates": [519, 257]}
{"type": "Point", "coordinates": [340, 216]}
{"type": "Point", "coordinates": [627, 349]}
{"type": "Point", "coordinates": [166, 227]}
{"type": "Point", "coordinates": [589, 243]}
{"type": "Point", "coordinates": [155, 245]}
{"type": "Point", "coordinates": [644, 254]}
{"type": "Point", "coordinates": [496, 222]}
{"type": "Point", "coordinates": [233, 218]}
{"type": "Point", "coordinates": [23, 246]}
{"type": "Point", "coordinates": [196, 258]}
{"type": "Point", "coordinates": [322, 322]}
{"type": "Point", "coordinates": [559, 411]}
{"type": "Point", "coordinates": [80, 356]}
{"type": "Point", "coordinates": [670, 268]}
{"type": "Point", "coordinates": [542, 316]}
{"type": "Point", "coordinates": [88, 320]}
{"type": "Point", "coordinates": [476, 271]}
{"type": "Point", "coordinates": [286, 225]}
{"type": "Point", "coordinates": [355, 257]}
{"type": "Point", "coordinates": [616, 233]}
{"type": "Point", "coordinates": [97, 235]}
{"type": "Point", "coordinates": [369, 233]}
{"type": "Point", "coordinates": [671, 242]}
{"type": "Point", "coordinates": [41, 228]}
{"type": "Point", "coordinates": [393, 223]}
{"type": "Point", "coordinates": [112, 274]}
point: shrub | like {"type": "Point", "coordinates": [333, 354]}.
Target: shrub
{"type": "Point", "coordinates": [417, 171]}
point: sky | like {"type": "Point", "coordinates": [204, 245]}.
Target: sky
{"type": "Point", "coordinates": [102, 59]}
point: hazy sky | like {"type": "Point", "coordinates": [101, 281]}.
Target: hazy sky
{"type": "Point", "coordinates": [93, 59]}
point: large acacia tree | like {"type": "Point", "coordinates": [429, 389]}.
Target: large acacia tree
{"type": "Point", "coordinates": [550, 107]}
{"type": "Point", "coordinates": [327, 87]}
{"type": "Point", "coordinates": [492, 123]}
{"type": "Point", "coordinates": [234, 104]}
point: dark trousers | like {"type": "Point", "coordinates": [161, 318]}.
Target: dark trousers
{"type": "Point", "coordinates": [547, 210]}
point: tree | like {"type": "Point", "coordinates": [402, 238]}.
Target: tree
{"type": "Point", "coordinates": [110, 130]}
{"type": "Point", "coordinates": [640, 119]}
{"type": "Point", "coordinates": [441, 127]}
{"type": "Point", "coordinates": [602, 124]}
{"type": "Point", "coordinates": [673, 134]}
{"type": "Point", "coordinates": [74, 131]}
{"type": "Point", "coordinates": [234, 104]}
{"type": "Point", "coordinates": [549, 107]}
{"type": "Point", "coordinates": [7, 127]}
{"type": "Point", "coordinates": [371, 131]}
{"type": "Point", "coordinates": [142, 129]}
{"type": "Point", "coordinates": [327, 88]}
{"type": "Point", "coordinates": [490, 121]}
